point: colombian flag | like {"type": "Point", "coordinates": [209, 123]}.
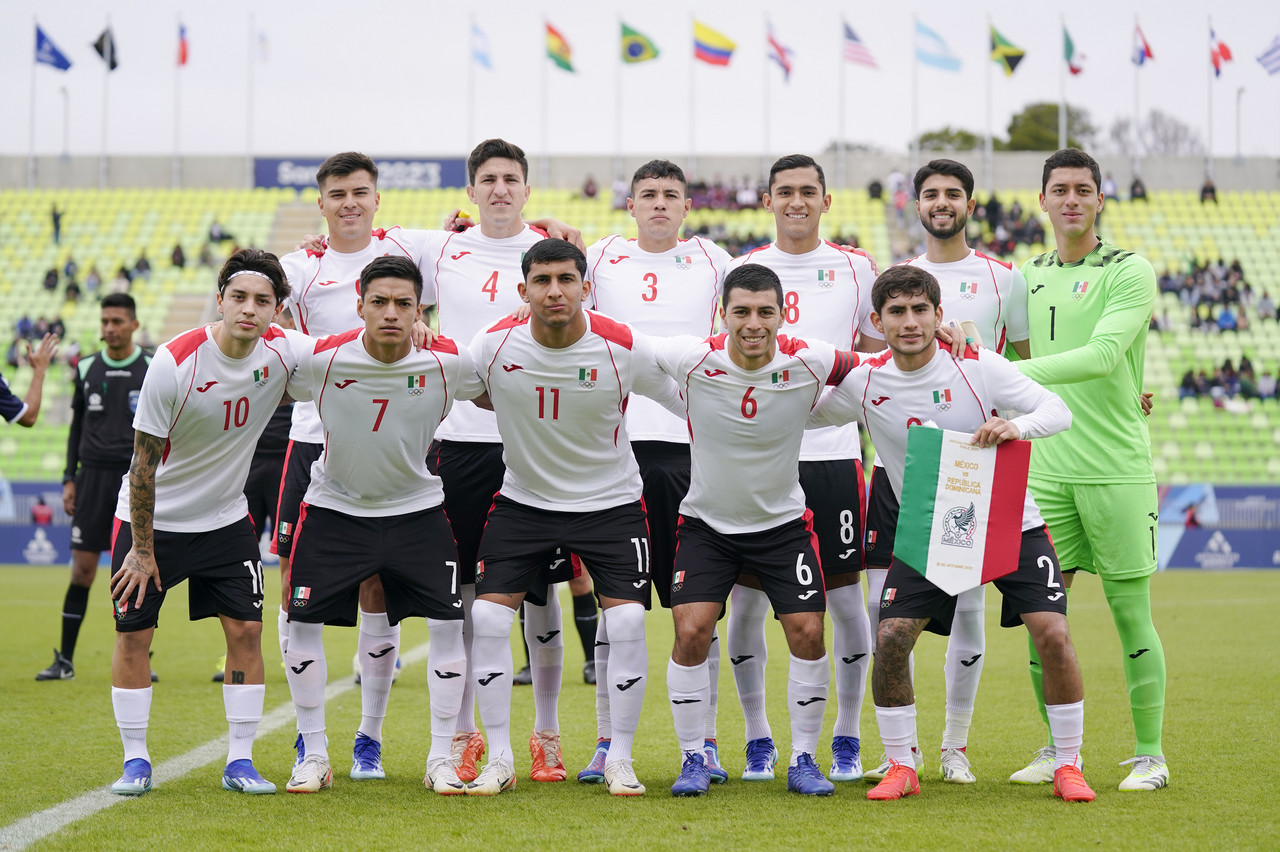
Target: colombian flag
{"type": "Point", "coordinates": [710, 46]}
{"type": "Point", "coordinates": [558, 49]}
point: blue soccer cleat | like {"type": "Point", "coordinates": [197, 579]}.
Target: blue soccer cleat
{"type": "Point", "coordinates": [807, 779]}
{"type": "Point", "coordinates": [241, 777]}
{"type": "Point", "coordinates": [712, 753]}
{"type": "Point", "coordinates": [366, 759]}
{"type": "Point", "coordinates": [136, 779]}
{"type": "Point", "coordinates": [761, 758]}
{"type": "Point", "coordinates": [694, 779]}
{"type": "Point", "coordinates": [846, 759]}
{"type": "Point", "coordinates": [594, 773]}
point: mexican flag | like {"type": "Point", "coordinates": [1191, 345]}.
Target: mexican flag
{"type": "Point", "coordinates": [960, 522]}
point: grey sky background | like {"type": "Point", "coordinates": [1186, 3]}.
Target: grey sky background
{"type": "Point", "coordinates": [392, 78]}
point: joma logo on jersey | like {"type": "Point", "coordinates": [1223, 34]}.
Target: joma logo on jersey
{"type": "Point", "coordinates": [968, 290]}
{"type": "Point", "coordinates": [587, 378]}
{"type": "Point", "coordinates": [684, 262]}
{"type": "Point", "coordinates": [826, 277]}
{"type": "Point", "coordinates": [260, 377]}
{"type": "Point", "coordinates": [1078, 289]}
{"type": "Point", "coordinates": [781, 380]}
{"type": "Point", "coordinates": [942, 400]}
{"type": "Point", "coordinates": [417, 385]}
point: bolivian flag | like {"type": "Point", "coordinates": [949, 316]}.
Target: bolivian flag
{"type": "Point", "coordinates": [558, 49]}
{"type": "Point", "coordinates": [960, 521]}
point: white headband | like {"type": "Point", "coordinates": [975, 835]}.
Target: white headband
{"type": "Point", "coordinates": [249, 272]}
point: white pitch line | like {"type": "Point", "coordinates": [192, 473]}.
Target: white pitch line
{"type": "Point", "coordinates": [37, 826]}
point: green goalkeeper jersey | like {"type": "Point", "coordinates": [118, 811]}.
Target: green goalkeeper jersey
{"type": "Point", "coordinates": [1088, 324]}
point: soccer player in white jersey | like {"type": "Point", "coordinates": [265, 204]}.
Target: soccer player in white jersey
{"type": "Point", "coordinates": [373, 508]}
{"type": "Point", "coordinates": [472, 277]}
{"type": "Point", "coordinates": [661, 285]}
{"type": "Point", "coordinates": [560, 382]}
{"type": "Point", "coordinates": [993, 295]}
{"type": "Point", "coordinates": [182, 513]}
{"type": "Point", "coordinates": [891, 393]}
{"type": "Point", "coordinates": [325, 289]}
{"type": "Point", "coordinates": [826, 295]}
{"type": "Point", "coordinates": [748, 392]}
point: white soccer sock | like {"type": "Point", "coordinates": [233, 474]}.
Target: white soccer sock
{"type": "Point", "coordinates": [307, 673]}
{"type": "Point", "coordinates": [1066, 724]}
{"type": "Point", "coordinates": [282, 631]}
{"type": "Point", "coordinates": [243, 703]}
{"type": "Point", "coordinates": [898, 732]}
{"type": "Point", "coordinates": [378, 647]}
{"type": "Point", "coordinates": [447, 670]}
{"type": "Point", "coordinates": [544, 631]}
{"type": "Point", "coordinates": [133, 710]}
{"type": "Point", "coordinates": [851, 644]}
{"type": "Point", "coordinates": [807, 684]}
{"type": "Point", "coordinates": [491, 672]}
{"type": "Point", "coordinates": [604, 721]}
{"type": "Point", "coordinates": [629, 665]}
{"type": "Point", "coordinates": [748, 654]}
{"type": "Point", "coordinates": [963, 667]}
{"type": "Point", "coordinates": [713, 675]}
{"type": "Point", "coordinates": [467, 710]}
{"type": "Point", "coordinates": [688, 690]}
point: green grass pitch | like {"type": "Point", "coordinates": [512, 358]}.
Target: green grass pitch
{"type": "Point", "coordinates": [1219, 631]}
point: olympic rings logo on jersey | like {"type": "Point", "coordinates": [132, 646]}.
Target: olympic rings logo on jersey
{"type": "Point", "coordinates": [417, 391]}
{"type": "Point", "coordinates": [968, 297]}
{"type": "Point", "coordinates": [943, 406]}
{"type": "Point", "coordinates": [586, 384]}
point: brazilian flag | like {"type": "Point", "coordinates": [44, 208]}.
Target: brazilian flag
{"type": "Point", "coordinates": [637, 47]}
{"type": "Point", "coordinates": [1004, 54]}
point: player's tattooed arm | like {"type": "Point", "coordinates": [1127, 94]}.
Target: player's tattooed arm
{"type": "Point", "coordinates": [891, 682]}
{"type": "Point", "coordinates": [139, 566]}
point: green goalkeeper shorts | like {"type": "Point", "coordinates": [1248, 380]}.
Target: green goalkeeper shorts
{"type": "Point", "coordinates": [1108, 529]}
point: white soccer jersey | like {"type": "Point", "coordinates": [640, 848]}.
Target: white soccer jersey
{"type": "Point", "coordinates": [663, 294]}
{"type": "Point", "coordinates": [212, 410]}
{"type": "Point", "coordinates": [324, 289]}
{"type": "Point", "coordinates": [472, 281]}
{"type": "Point", "coordinates": [560, 412]}
{"type": "Point", "coordinates": [826, 296]}
{"type": "Point", "coordinates": [958, 395]}
{"type": "Point", "coordinates": [745, 427]}
{"type": "Point", "coordinates": [987, 291]}
{"type": "Point", "coordinates": [379, 419]}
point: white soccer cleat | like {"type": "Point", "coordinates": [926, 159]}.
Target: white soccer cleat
{"type": "Point", "coordinates": [621, 780]}
{"type": "Point", "coordinates": [1039, 770]}
{"type": "Point", "coordinates": [498, 776]}
{"type": "Point", "coordinates": [442, 777]}
{"type": "Point", "coordinates": [310, 776]}
{"type": "Point", "coordinates": [886, 764]}
{"type": "Point", "coordinates": [955, 767]}
{"type": "Point", "coordinates": [1149, 772]}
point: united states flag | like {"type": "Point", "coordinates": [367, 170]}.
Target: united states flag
{"type": "Point", "coordinates": [855, 50]}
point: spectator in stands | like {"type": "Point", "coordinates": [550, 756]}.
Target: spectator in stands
{"type": "Point", "coordinates": [1227, 319]}
{"type": "Point", "coordinates": [875, 189]}
{"type": "Point", "coordinates": [178, 257]}
{"type": "Point", "coordinates": [41, 513]}
{"type": "Point", "coordinates": [1266, 385]}
{"type": "Point", "coordinates": [1109, 190]}
{"type": "Point", "coordinates": [142, 266]}
{"type": "Point", "coordinates": [123, 281]}
{"type": "Point", "coordinates": [56, 215]}
{"type": "Point", "coordinates": [51, 279]}
{"type": "Point", "coordinates": [72, 290]}
{"type": "Point", "coordinates": [93, 280]}
{"type": "Point", "coordinates": [58, 328]}
{"type": "Point", "coordinates": [1246, 366]}
{"type": "Point", "coordinates": [747, 196]}
{"type": "Point", "coordinates": [589, 189]}
{"type": "Point", "coordinates": [40, 329]}
{"type": "Point", "coordinates": [206, 255]}
{"type": "Point", "coordinates": [73, 354]}
{"type": "Point", "coordinates": [1137, 189]}
{"type": "Point", "coordinates": [11, 357]}
{"type": "Point", "coordinates": [621, 190]}
{"type": "Point", "coordinates": [24, 327]}
{"type": "Point", "coordinates": [217, 233]}
{"type": "Point", "coordinates": [69, 269]}
{"type": "Point", "coordinates": [1266, 307]}
{"type": "Point", "coordinates": [1188, 386]}
{"type": "Point", "coordinates": [1208, 192]}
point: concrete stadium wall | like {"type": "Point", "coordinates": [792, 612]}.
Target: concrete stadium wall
{"type": "Point", "coordinates": [1019, 169]}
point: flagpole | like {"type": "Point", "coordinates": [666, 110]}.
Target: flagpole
{"type": "Point", "coordinates": [1208, 160]}
{"type": "Point", "coordinates": [693, 103]}
{"type": "Point", "coordinates": [471, 88]}
{"type": "Point", "coordinates": [913, 144]}
{"type": "Point", "coordinates": [249, 104]}
{"type": "Point", "coordinates": [1062, 87]}
{"type": "Point", "coordinates": [544, 168]}
{"type": "Point", "coordinates": [1137, 83]}
{"type": "Point", "coordinates": [617, 111]}
{"type": "Point", "coordinates": [109, 48]}
{"type": "Point", "coordinates": [177, 101]}
{"type": "Point", "coordinates": [840, 143]}
{"type": "Point", "coordinates": [987, 146]}
{"type": "Point", "coordinates": [764, 151]}
{"type": "Point", "coordinates": [31, 146]}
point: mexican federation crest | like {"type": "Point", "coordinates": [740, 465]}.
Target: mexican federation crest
{"type": "Point", "coordinates": [959, 525]}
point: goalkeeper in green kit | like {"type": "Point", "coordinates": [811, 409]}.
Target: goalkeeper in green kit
{"type": "Point", "coordinates": [1089, 304]}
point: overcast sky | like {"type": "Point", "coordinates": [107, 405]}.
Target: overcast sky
{"type": "Point", "coordinates": [392, 78]}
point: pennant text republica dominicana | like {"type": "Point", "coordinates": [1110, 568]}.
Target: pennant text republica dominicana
{"type": "Point", "coordinates": [960, 524]}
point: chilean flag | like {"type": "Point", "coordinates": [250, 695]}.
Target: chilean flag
{"type": "Point", "coordinates": [182, 44]}
{"type": "Point", "coordinates": [1141, 50]}
{"type": "Point", "coordinates": [1218, 52]}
